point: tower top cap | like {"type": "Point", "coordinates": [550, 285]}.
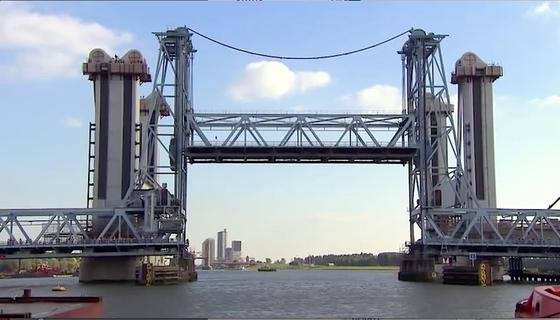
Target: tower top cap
{"type": "Point", "coordinates": [471, 66]}
{"type": "Point", "coordinates": [470, 59]}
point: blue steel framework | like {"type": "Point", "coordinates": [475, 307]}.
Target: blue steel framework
{"type": "Point", "coordinates": [422, 136]}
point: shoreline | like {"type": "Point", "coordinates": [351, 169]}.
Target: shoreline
{"type": "Point", "coordinates": [341, 268]}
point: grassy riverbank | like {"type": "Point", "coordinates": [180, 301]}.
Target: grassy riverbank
{"type": "Point", "coordinates": [381, 268]}
{"type": "Point", "coordinates": [308, 267]}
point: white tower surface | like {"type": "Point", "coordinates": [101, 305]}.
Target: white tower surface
{"type": "Point", "coordinates": [440, 187]}
{"type": "Point", "coordinates": [151, 159]}
{"type": "Point", "coordinates": [115, 84]}
{"type": "Point", "coordinates": [475, 79]}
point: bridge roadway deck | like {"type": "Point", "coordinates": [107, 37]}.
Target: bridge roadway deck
{"type": "Point", "coordinates": [298, 154]}
{"type": "Point", "coordinates": [89, 248]}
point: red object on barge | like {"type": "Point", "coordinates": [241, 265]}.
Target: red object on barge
{"type": "Point", "coordinates": [544, 302]}
{"type": "Point", "coordinates": [28, 306]}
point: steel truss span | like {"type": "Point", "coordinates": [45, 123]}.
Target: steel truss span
{"type": "Point", "coordinates": [499, 232]}
{"type": "Point", "coordinates": [308, 138]}
{"type": "Point", "coordinates": [32, 233]}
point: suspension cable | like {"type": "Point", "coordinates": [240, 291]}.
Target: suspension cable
{"type": "Point", "coordinates": [300, 58]}
{"type": "Point", "coordinates": [553, 204]}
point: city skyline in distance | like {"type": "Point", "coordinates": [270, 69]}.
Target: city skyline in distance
{"type": "Point", "coordinates": [219, 252]}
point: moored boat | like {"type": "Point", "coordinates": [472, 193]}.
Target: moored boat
{"type": "Point", "coordinates": [28, 306]}
{"type": "Point", "coordinates": [544, 302]}
{"type": "Point", "coordinates": [266, 268]}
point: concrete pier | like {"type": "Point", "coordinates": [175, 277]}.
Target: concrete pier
{"type": "Point", "coordinates": [108, 269]}
{"type": "Point", "coordinates": [498, 269]}
{"type": "Point", "coordinates": [417, 268]}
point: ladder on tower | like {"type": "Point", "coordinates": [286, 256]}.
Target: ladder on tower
{"type": "Point", "coordinates": [137, 146]}
{"type": "Point", "coordinates": [91, 165]}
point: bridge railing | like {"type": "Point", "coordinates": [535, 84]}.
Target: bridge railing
{"type": "Point", "coordinates": [278, 143]}
{"type": "Point", "coordinates": [492, 227]}
{"type": "Point", "coordinates": [79, 243]}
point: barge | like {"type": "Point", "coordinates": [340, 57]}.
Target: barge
{"type": "Point", "coordinates": [28, 306]}
{"type": "Point", "coordinates": [544, 302]}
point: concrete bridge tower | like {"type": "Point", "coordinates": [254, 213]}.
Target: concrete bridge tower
{"type": "Point", "coordinates": [475, 80]}
{"type": "Point", "coordinates": [115, 84]}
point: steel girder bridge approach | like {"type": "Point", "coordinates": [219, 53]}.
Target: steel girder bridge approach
{"type": "Point", "coordinates": [137, 148]}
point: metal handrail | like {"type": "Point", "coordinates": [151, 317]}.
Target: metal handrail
{"type": "Point", "coordinates": [328, 144]}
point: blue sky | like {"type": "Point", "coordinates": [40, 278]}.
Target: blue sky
{"type": "Point", "coordinates": [277, 210]}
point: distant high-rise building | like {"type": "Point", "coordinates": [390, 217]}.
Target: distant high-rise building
{"type": "Point", "coordinates": [236, 246]}
{"type": "Point", "coordinates": [222, 244]}
{"type": "Point", "coordinates": [229, 254]}
{"type": "Point", "coordinates": [208, 251]}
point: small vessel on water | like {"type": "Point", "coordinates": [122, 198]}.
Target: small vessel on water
{"type": "Point", "coordinates": [28, 306]}
{"type": "Point", "coordinates": [59, 288]}
{"type": "Point", "coordinates": [266, 268]}
{"type": "Point", "coordinates": [544, 302]}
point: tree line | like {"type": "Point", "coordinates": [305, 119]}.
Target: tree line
{"type": "Point", "coordinates": [65, 265]}
{"type": "Point", "coordinates": [355, 259]}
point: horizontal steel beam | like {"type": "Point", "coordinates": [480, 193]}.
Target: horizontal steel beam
{"type": "Point", "coordinates": [134, 253]}
{"type": "Point", "coordinates": [197, 154]}
{"type": "Point", "coordinates": [130, 243]}
{"type": "Point", "coordinates": [492, 244]}
{"type": "Point", "coordinates": [435, 250]}
{"type": "Point", "coordinates": [491, 211]}
{"type": "Point", "coordinates": [64, 211]}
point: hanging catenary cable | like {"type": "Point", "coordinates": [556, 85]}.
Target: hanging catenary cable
{"type": "Point", "coordinates": [300, 58]}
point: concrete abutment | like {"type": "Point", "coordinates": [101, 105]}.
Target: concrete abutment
{"type": "Point", "coordinates": [105, 269]}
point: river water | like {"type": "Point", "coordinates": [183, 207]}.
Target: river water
{"type": "Point", "coordinates": [290, 294]}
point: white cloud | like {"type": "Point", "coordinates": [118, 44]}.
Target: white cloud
{"type": "Point", "coordinates": [73, 122]}
{"type": "Point", "coordinates": [379, 98]}
{"type": "Point", "coordinates": [273, 80]}
{"type": "Point", "coordinates": [306, 80]}
{"type": "Point", "coordinates": [50, 45]}
{"type": "Point", "coordinates": [544, 9]}
{"type": "Point", "coordinates": [550, 101]}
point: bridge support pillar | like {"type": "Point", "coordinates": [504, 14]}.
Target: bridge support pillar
{"type": "Point", "coordinates": [188, 272]}
{"type": "Point", "coordinates": [417, 268]}
{"type": "Point", "coordinates": [515, 268]}
{"type": "Point", "coordinates": [108, 269]}
{"type": "Point", "coordinates": [498, 269]}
